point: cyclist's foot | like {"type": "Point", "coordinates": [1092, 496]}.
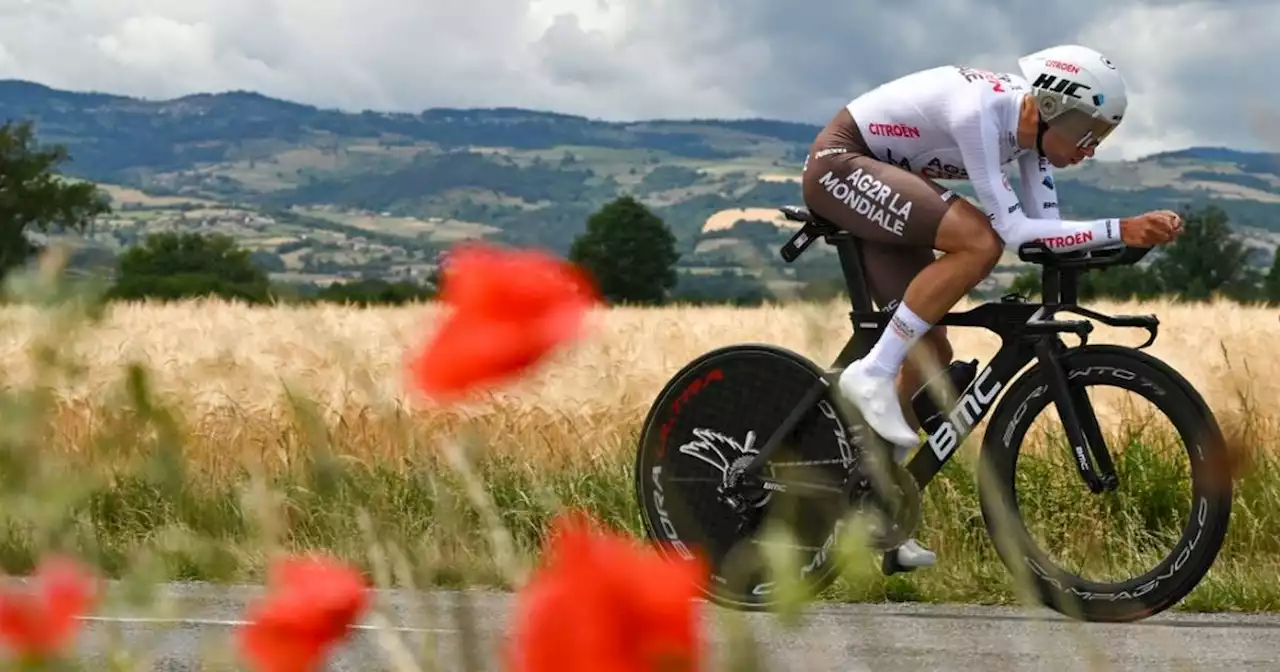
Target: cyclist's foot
{"type": "Point", "coordinates": [876, 398]}
{"type": "Point", "coordinates": [907, 557]}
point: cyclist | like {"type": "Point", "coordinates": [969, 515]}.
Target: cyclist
{"type": "Point", "coordinates": [871, 171]}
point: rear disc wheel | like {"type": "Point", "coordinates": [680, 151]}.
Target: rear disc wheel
{"type": "Point", "coordinates": [716, 412]}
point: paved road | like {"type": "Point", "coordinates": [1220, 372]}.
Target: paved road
{"type": "Point", "coordinates": [836, 637]}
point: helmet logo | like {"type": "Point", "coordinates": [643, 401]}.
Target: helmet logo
{"type": "Point", "coordinates": [1107, 62]}
{"type": "Point", "coordinates": [1063, 66]}
{"type": "Point", "coordinates": [1099, 99]}
{"type": "Point", "coordinates": [1058, 85]}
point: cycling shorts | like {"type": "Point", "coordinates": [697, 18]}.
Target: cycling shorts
{"type": "Point", "coordinates": [894, 213]}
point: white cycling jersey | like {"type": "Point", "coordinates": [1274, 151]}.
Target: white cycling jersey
{"type": "Point", "coordinates": [959, 123]}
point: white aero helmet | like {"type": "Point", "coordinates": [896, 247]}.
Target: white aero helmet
{"type": "Point", "coordinates": [1078, 91]}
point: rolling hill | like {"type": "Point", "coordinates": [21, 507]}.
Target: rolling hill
{"type": "Point", "coordinates": [324, 194]}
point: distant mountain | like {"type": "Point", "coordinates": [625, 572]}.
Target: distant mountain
{"type": "Point", "coordinates": [116, 138]}
{"type": "Point", "coordinates": [324, 193]}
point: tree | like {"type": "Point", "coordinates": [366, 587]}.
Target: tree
{"type": "Point", "coordinates": [171, 266]}
{"type": "Point", "coordinates": [1271, 287]}
{"type": "Point", "coordinates": [32, 195]}
{"type": "Point", "coordinates": [1117, 282]}
{"type": "Point", "coordinates": [1206, 259]}
{"type": "Point", "coordinates": [629, 252]}
{"type": "Point", "coordinates": [374, 291]}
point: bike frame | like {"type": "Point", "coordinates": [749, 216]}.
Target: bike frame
{"type": "Point", "coordinates": [1028, 331]}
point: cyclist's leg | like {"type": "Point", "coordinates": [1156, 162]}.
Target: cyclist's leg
{"type": "Point", "coordinates": [890, 270]}
{"type": "Point", "coordinates": [887, 206]}
{"type": "Point", "coordinates": [972, 250]}
{"type": "Point", "coordinates": [880, 202]}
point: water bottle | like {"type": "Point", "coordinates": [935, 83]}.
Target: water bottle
{"type": "Point", "coordinates": [922, 402]}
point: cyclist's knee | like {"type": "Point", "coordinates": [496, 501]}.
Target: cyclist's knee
{"type": "Point", "coordinates": [991, 249]}
{"type": "Point", "coordinates": [986, 245]}
{"type": "Point", "coordinates": [965, 229]}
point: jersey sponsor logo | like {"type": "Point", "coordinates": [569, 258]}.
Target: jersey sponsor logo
{"type": "Point", "coordinates": [1063, 66]}
{"type": "Point", "coordinates": [997, 81]}
{"type": "Point", "coordinates": [870, 198]}
{"type": "Point", "coordinates": [1058, 242]}
{"type": "Point", "coordinates": [1049, 205]}
{"type": "Point", "coordinates": [938, 170]}
{"type": "Point", "coordinates": [829, 151]}
{"type": "Point", "coordinates": [1004, 181]}
{"type": "Point", "coordinates": [1047, 182]}
{"type": "Point", "coordinates": [894, 130]}
{"type": "Point", "coordinates": [903, 162]}
{"type": "Point", "coordinates": [1059, 84]}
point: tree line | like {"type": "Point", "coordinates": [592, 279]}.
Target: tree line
{"type": "Point", "coordinates": [629, 251]}
{"type": "Point", "coordinates": [632, 255]}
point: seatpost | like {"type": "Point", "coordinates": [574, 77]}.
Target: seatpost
{"type": "Point", "coordinates": [864, 338]}
{"type": "Point", "coordinates": [851, 266]}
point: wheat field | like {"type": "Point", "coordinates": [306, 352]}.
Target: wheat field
{"type": "Point", "coordinates": [563, 435]}
{"type": "Point", "coordinates": [219, 363]}
{"type": "Point", "coordinates": [211, 356]}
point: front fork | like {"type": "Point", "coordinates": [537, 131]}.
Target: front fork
{"type": "Point", "coordinates": [1078, 419]}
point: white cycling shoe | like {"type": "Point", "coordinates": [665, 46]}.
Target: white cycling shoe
{"type": "Point", "coordinates": [908, 556]}
{"type": "Point", "coordinates": [911, 555]}
{"type": "Point", "coordinates": [876, 398]}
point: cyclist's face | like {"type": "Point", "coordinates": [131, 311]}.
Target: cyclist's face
{"type": "Point", "coordinates": [1063, 151]}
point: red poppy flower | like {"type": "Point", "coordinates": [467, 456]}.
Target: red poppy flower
{"type": "Point", "coordinates": [602, 603]}
{"type": "Point", "coordinates": [38, 623]}
{"type": "Point", "coordinates": [310, 604]}
{"type": "Point", "coordinates": [509, 309]}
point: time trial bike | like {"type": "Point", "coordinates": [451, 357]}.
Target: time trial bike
{"type": "Point", "coordinates": [751, 428]}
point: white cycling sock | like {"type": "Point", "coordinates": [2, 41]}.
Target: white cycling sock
{"type": "Point", "coordinates": [902, 332]}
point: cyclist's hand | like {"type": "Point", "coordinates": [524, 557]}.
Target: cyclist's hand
{"type": "Point", "coordinates": [1153, 228]}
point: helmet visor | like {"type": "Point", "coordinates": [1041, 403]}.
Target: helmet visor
{"type": "Point", "coordinates": [1082, 128]}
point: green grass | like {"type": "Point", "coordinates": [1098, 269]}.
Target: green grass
{"type": "Point", "coordinates": [215, 528]}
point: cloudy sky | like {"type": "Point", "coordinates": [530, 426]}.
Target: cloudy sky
{"type": "Point", "coordinates": [1200, 72]}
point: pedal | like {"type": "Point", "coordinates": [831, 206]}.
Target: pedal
{"type": "Point", "coordinates": [889, 564]}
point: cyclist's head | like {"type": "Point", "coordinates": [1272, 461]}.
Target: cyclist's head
{"type": "Point", "coordinates": [1080, 96]}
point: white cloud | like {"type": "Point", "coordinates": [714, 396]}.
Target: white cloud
{"type": "Point", "coordinates": [1200, 70]}
{"type": "Point", "coordinates": [1197, 72]}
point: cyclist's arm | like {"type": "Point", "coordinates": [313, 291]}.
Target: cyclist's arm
{"type": "Point", "coordinates": [976, 133]}
{"type": "Point", "coordinates": [1039, 197]}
